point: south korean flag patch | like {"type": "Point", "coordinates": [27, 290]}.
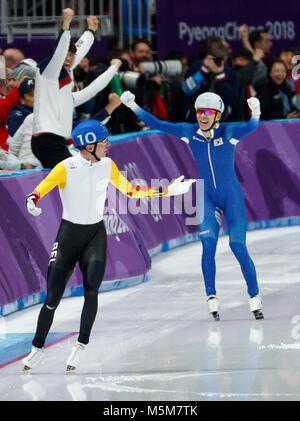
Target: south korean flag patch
{"type": "Point", "coordinates": [218, 142]}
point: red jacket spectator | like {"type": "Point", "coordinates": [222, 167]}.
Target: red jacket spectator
{"type": "Point", "coordinates": [6, 104]}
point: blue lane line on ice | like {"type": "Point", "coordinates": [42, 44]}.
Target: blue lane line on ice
{"type": "Point", "coordinates": [14, 346]}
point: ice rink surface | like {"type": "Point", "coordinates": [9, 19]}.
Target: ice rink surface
{"type": "Point", "coordinates": [156, 341]}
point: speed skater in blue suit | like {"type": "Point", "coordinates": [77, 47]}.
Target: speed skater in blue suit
{"type": "Point", "coordinates": [213, 147]}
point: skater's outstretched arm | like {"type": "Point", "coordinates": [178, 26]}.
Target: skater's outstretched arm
{"type": "Point", "coordinates": [180, 130]}
{"type": "Point", "coordinates": [124, 186]}
{"type": "Point", "coordinates": [57, 177]}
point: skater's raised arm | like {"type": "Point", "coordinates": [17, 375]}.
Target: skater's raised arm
{"type": "Point", "coordinates": [244, 128]}
{"type": "Point", "coordinates": [180, 130]}
{"type": "Point", "coordinates": [136, 192]}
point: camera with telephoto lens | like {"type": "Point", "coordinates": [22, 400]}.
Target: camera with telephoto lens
{"type": "Point", "coordinates": [166, 67]}
{"type": "Point", "coordinates": [218, 61]}
{"type": "Point", "coordinates": [132, 79]}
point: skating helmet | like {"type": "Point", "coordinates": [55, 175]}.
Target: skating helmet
{"type": "Point", "coordinates": [210, 100]}
{"type": "Point", "coordinates": [88, 132]}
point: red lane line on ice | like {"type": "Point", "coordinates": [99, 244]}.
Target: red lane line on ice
{"type": "Point", "coordinates": [69, 335]}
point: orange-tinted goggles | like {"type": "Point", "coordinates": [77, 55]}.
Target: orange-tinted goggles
{"type": "Point", "coordinates": [206, 111]}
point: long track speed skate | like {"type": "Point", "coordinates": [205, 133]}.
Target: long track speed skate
{"type": "Point", "coordinates": [75, 357]}
{"type": "Point", "coordinates": [213, 307]}
{"type": "Point", "coordinates": [255, 304]}
{"type": "Point", "coordinates": [33, 358]}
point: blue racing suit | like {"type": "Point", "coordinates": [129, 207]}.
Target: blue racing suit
{"type": "Point", "coordinates": [222, 191]}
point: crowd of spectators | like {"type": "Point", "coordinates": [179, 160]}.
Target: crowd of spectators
{"type": "Point", "coordinates": [165, 88]}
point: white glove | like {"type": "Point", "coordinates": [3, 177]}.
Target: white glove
{"type": "Point", "coordinates": [31, 207]}
{"type": "Point", "coordinates": [180, 187]}
{"type": "Point", "coordinates": [127, 99]}
{"type": "Point", "coordinates": [254, 106]}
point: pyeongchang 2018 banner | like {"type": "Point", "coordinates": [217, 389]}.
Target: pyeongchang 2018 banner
{"type": "Point", "coordinates": [184, 24]}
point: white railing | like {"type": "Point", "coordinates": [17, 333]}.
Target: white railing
{"type": "Point", "coordinates": [39, 17]}
{"type": "Point", "coordinates": [42, 17]}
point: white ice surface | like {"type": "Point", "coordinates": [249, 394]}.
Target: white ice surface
{"type": "Point", "coordinates": [156, 341]}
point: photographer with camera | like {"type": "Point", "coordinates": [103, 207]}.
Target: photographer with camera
{"type": "Point", "coordinates": [212, 74]}
{"type": "Point", "coordinates": [152, 82]}
{"type": "Point", "coordinates": [153, 93]}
